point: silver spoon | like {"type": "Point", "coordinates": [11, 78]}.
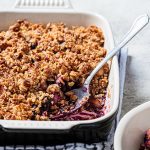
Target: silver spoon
{"type": "Point", "coordinates": [83, 93]}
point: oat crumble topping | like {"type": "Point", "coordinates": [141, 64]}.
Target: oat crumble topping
{"type": "Point", "coordinates": [40, 64]}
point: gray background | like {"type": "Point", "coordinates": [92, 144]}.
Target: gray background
{"type": "Point", "coordinates": [120, 14]}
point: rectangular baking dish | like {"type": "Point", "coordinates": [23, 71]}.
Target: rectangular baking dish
{"type": "Point", "coordinates": [101, 126]}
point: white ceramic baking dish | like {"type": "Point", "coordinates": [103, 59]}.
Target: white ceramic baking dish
{"type": "Point", "coordinates": [70, 17]}
{"type": "Point", "coordinates": [131, 129]}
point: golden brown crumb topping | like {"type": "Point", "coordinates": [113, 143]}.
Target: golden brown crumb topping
{"type": "Point", "coordinates": [40, 64]}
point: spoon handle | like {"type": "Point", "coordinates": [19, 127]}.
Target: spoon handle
{"type": "Point", "coordinates": [138, 24]}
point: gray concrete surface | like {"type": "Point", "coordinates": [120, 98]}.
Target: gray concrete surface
{"type": "Point", "coordinates": [121, 14]}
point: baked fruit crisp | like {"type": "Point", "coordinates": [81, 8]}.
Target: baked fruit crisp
{"type": "Point", "coordinates": [146, 144]}
{"type": "Point", "coordinates": [40, 64]}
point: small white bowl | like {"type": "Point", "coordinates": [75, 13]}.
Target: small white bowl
{"type": "Point", "coordinates": [131, 129]}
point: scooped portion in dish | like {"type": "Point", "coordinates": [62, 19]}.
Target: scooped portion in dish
{"type": "Point", "coordinates": [41, 63]}
{"type": "Point", "coordinates": [146, 144]}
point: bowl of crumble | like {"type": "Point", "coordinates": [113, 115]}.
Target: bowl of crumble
{"type": "Point", "coordinates": [43, 56]}
{"type": "Point", "coordinates": [133, 130]}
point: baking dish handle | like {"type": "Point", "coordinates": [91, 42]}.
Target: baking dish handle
{"type": "Point", "coordinates": [37, 126]}
{"type": "Point", "coordinates": [43, 5]}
